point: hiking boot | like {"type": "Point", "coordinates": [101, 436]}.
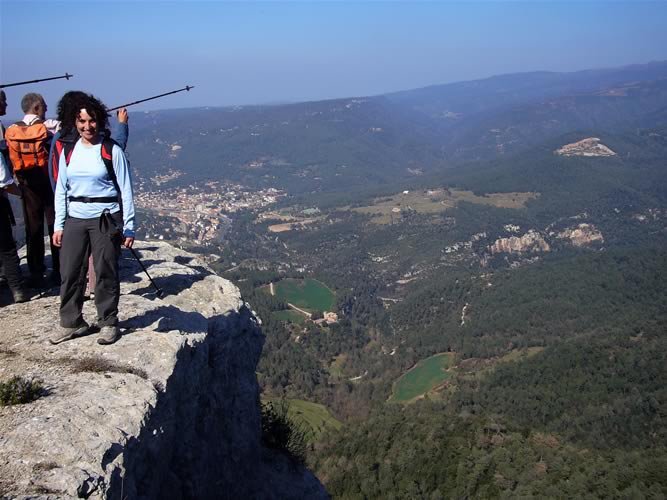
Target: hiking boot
{"type": "Point", "coordinates": [20, 295]}
{"type": "Point", "coordinates": [108, 335]}
{"type": "Point", "coordinates": [64, 334]}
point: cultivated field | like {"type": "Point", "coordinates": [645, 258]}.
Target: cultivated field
{"type": "Point", "coordinates": [426, 375]}
{"type": "Point", "coordinates": [288, 226]}
{"type": "Point", "coordinates": [313, 418]}
{"type": "Point", "coordinates": [285, 221]}
{"type": "Point", "coordinates": [291, 316]}
{"type": "Point", "coordinates": [386, 209]}
{"type": "Point", "coordinates": [308, 294]}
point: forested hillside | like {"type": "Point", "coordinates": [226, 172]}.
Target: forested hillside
{"type": "Point", "coordinates": [516, 295]}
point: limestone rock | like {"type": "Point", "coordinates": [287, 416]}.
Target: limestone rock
{"type": "Point", "coordinates": [173, 411]}
{"type": "Point", "coordinates": [586, 147]}
{"type": "Point", "coordinates": [582, 235]}
{"type": "Point", "coordinates": [531, 241]}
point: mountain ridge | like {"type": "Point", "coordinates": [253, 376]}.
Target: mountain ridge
{"type": "Point", "coordinates": [338, 144]}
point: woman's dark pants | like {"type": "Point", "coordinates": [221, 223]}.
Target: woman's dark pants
{"type": "Point", "coordinates": [79, 236]}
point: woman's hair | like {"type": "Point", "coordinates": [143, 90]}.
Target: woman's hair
{"type": "Point", "coordinates": [71, 104]}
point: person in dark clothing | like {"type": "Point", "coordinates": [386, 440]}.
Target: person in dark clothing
{"type": "Point", "coordinates": [8, 256]}
{"type": "Point", "coordinates": [5, 153]}
{"type": "Point", "coordinates": [37, 199]}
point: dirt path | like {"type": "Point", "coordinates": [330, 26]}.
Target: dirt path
{"type": "Point", "coordinates": [305, 313]}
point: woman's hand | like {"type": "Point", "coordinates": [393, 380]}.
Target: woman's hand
{"type": "Point", "coordinates": [122, 115]}
{"type": "Point", "coordinates": [127, 242]}
{"type": "Point", "coordinates": [57, 238]}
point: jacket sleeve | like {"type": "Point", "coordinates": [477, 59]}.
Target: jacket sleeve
{"type": "Point", "coordinates": [121, 132]}
{"type": "Point", "coordinates": [60, 198]}
{"type": "Point", "coordinates": [124, 179]}
{"type": "Point", "coordinates": [52, 152]}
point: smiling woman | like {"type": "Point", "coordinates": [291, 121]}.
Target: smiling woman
{"type": "Point", "coordinates": [94, 215]}
{"type": "Point", "coordinates": [86, 125]}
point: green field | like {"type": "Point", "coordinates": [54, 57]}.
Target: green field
{"type": "Point", "coordinates": [438, 200]}
{"type": "Point", "coordinates": [315, 418]}
{"type": "Point", "coordinates": [289, 315]}
{"type": "Point", "coordinates": [426, 375]}
{"type": "Point", "coordinates": [308, 294]}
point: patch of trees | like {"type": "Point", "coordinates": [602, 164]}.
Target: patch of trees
{"type": "Point", "coordinates": [565, 296]}
{"type": "Point", "coordinates": [605, 390]}
{"type": "Point", "coordinates": [422, 451]}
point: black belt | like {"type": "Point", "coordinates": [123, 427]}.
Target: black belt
{"type": "Point", "coordinates": [86, 199]}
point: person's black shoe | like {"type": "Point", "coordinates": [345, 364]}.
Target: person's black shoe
{"type": "Point", "coordinates": [21, 295]}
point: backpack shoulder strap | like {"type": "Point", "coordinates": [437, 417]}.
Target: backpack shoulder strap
{"type": "Point", "coordinates": [55, 159]}
{"type": "Point", "coordinates": [107, 157]}
{"type": "Point", "coordinates": [22, 123]}
{"type": "Point", "coordinates": [68, 148]}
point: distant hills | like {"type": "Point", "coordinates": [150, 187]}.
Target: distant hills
{"type": "Point", "coordinates": [343, 144]}
{"type": "Point", "coordinates": [504, 91]}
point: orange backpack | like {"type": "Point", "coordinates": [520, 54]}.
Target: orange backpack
{"type": "Point", "coordinates": [28, 145]}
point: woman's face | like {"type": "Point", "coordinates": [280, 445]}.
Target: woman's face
{"type": "Point", "coordinates": [86, 125]}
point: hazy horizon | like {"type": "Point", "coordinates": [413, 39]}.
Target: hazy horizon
{"type": "Point", "coordinates": [256, 53]}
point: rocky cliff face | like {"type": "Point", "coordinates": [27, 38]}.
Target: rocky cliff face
{"type": "Point", "coordinates": [169, 411]}
{"type": "Point", "coordinates": [582, 235]}
{"type": "Point", "coordinates": [586, 147]}
{"type": "Point", "coordinates": [532, 241]}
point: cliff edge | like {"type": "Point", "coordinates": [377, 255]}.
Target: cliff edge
{"type": "Point", "coordinates": [169, 411]}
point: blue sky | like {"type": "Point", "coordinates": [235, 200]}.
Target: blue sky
{"type": "Point", "coordinates": [263, 52]}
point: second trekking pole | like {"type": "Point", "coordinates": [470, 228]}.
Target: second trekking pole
{"type": "Point", "coordinates": [107, 221]}
{"type": "Point", "coordinates": [186, 88]}
{"type": "Point", "coordinates": [157, 289]}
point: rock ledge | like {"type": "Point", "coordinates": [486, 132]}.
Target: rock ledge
{"type": "Point", "coordinates": [176, 417]}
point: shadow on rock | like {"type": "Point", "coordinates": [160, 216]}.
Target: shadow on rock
{"type": "Point", "coordinates": [168, 318]}
{"type": "Point", "coordinates": [202, 438]}
{"type": "Point", "coordinates": [148, 263]}
{"type": "Point", "coordinates": [183, 259]}
{"type": "Point", "coordinates": [170, 285]}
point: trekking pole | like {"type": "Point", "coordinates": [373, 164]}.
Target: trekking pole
{"type": "Point", "coordinates": [105, 221]}
{"type": "Point", "coordinates": [66, 76]}
{"type": "Point", "coordinates": [136, 256]}
{"type": "Point", "coordinates": [186, 88]}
